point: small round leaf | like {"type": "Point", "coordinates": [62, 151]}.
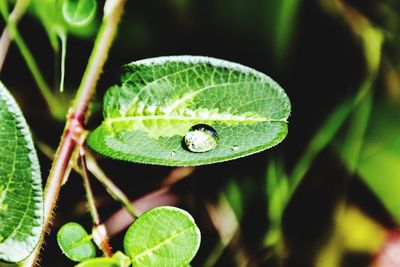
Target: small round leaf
{"type": "Point", "coordinates": [75, 242]}
{"type": "Point", "coordinates": [79, 12]}
{"type": "Point", "coordinates": [124, 260]}
{"type": "Point", "coordinates": [164, 236]}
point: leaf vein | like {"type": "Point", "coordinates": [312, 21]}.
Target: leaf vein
{"type": "Point", "coordinates": [150, 250]}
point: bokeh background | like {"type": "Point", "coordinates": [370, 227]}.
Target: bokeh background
{"type": "Point", "coordinates": [328, 195]}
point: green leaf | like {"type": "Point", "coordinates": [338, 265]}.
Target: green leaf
{"type": "Point", "coordinates": [101, 262]}
{"type": "Point", "coordinates": [160, 100]}
{"type": "Point", "coordinates": [75, 242]}
{"type": "Point", "coordinates": [79, 12]}
{"type": "Point", "coordinates": [21, 197]}
{"type": "Point", "coordinates": [119, 259]}
{"type": "Point", "coordinates": [164, 236]}
{"type": "Point", "coordinates": [124, 260]}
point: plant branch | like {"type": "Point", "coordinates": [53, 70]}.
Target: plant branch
{"type": "Point", "coordinates": [111, 188]}
{"type": "Point", "coordinates": [88, 189]}
{"type": "Point", "coordinates": [99, 174]}
{"type": "Point", "coordinates": [73, 131]}
{"type": "Point", "coordinates": [4, 45]}
{"type": "Point", "coordinates": [112, 14]}
{"type": "Point", "coordinates": [100, 233]}
{"type": "Point", "coordinates": [5, 40]}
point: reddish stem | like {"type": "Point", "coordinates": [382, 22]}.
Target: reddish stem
{"type": "Point", "coordinates": [74, 128]}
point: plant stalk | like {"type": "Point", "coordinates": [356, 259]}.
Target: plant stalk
{"type": "Point", "coordinates": [74, 131]}
{"type": "Point", "coordinates": [94, 168]}
{"type": "Point", "coordinates": [101, 233]}
{"type": "Point", "coordinates": [111, 188]}
{"type": "Point", "coordinates": [5, 40]}
{"type": "Point", "coordinates": [88, 188]}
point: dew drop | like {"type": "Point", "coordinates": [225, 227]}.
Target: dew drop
{"type": "Point", "coordinates": [201, 138]}
{"type": "Point", "coordinates": [235, 148]}
{"type": "Point", "coordinates": [173, 153]}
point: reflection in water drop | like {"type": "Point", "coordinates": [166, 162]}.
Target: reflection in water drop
{"type": "Point", "coordinates": [201, 138]}
{"type": "Point", "coordinates": [235, 148]}
{"type": "Point", "coordinates": [173, 153]}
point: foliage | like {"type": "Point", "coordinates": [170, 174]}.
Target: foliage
{"type": "Point", "coordinates": [75, 243]}
{"type": "Point", "coordinates": [163, 236]}
{"type": "Point", "coordinates": [161, 99]}
{"type": "Point", "coordinates": [182, 94]}
{"type": "Point", "coordinates": [315, 200]}
{"type": "Point", "coordinates": [78, 13]}
{"type": "Point", "coordinates": [21, 203]}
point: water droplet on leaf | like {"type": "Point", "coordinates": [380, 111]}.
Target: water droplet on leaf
{"type": "Point", "coordinates": [173, 153]}
{"type": "Point", "coordinates": [235, 148]}
{"type": "Point", "coordinates": [201, 138]}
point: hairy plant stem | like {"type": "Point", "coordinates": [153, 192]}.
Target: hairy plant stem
{"type": "Point", "coordinates": [88, 189]}
{"type": "Point", "coordinates": [111, 188]}
{"type": "Point", "coordinates": [101, 234]}
{"type": "Point", "coordinates": [74, 128]}
{"type": "Point", "coordinates": [93, 167]}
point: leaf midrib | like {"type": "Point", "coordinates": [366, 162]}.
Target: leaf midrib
{"type": "Point", "coordinates": [232, 119]}
{"type": "Point", "coordinates": [82, 241]}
